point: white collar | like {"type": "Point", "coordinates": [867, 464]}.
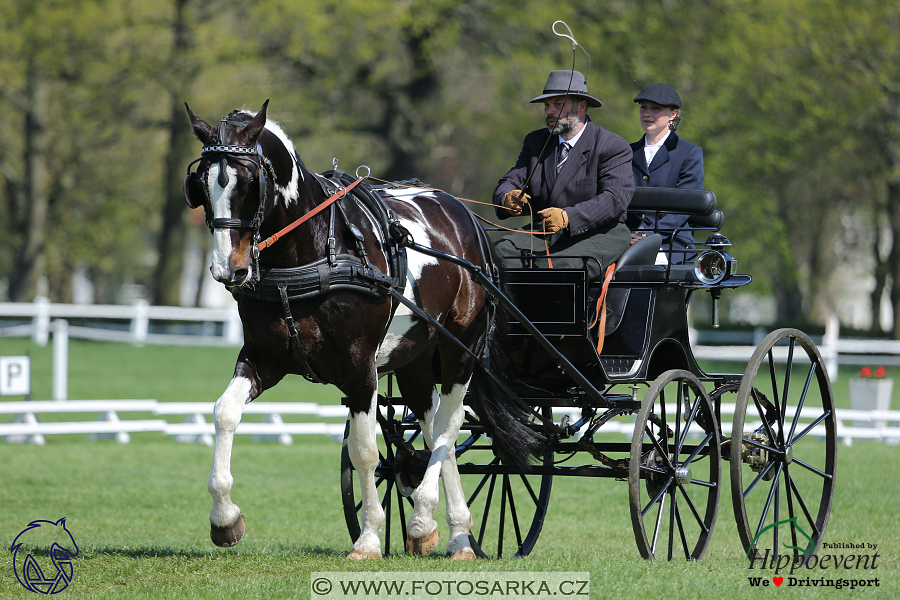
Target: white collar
{"type": "Point", "coordinates": [661, 142]}
{"type": "Point", "coordinates": [572, 142]}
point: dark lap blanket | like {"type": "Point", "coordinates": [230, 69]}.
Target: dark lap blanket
{"type": "Point", "coordinates": [606, 244]}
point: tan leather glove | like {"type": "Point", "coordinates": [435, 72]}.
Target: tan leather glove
{"type": "Point", "coordinates": [554, 219]}
{"type": "Point", "coordinates": [513, 203]}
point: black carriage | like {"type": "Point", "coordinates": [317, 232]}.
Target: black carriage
{"type": "Point", "coordinates": [585, 388]}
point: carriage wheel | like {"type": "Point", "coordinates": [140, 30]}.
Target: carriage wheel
{"type": "Point", "coordinates": [507, 506]}
{"type": "Point", "coordinates": [675, 453]}
{"type": "Point", "coordinates": [783, 462]}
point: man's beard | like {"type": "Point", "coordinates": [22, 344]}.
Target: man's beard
{"type": "Point", "coordinates": [565, 124]}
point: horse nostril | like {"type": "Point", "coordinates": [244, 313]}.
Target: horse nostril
{"type": "Point", "coordinates": [240, 275]}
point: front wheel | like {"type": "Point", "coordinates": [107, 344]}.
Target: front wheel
{"type": "Point", "coordinates": [675, 460]}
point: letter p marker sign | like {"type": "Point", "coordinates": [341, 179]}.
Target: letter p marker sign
{"type": "Point", "coordinates": [15, 375]}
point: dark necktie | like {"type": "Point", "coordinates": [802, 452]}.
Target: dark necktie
{"type": "Point", "coordinates": [563, 155]}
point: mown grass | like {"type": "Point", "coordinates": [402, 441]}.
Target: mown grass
{"type": "Point", "coordinates": [139, 511]}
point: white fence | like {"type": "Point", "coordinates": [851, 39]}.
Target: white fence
{"type": "Point", "coordinates": [851, 424]}
{"type": "Point", "coordinates": [28, 428]}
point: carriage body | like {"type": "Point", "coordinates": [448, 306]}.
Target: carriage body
{"type": "Point", "coordinates": [679, 441]}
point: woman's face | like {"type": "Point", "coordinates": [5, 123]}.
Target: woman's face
{"type": "Point", "coordinates": [655, 118]}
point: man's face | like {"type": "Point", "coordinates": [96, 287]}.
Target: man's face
{"type": "Point", "coordinates": [562, 114]}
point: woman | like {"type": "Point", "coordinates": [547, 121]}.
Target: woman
{"type": "Point", "coordinates": [662, 159]}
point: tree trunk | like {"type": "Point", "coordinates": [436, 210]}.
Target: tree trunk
{"type": "Point", "coordinates": [893, 210]}
{"type": "Point", "coordinates": [31, 259]}
{"type": "Point", "coordinates": [173, 235]}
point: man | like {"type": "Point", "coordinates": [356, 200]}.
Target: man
{"type": "Point", "coordinates": [576, 177]}
{"type": "Point", "coordinates": [662, 159]}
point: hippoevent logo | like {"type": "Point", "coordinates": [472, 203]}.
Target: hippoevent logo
{"type": "Point", "coordinates": [827, 568]}
{"type": "Point", "coordinates": [42, 556]}
{"type": "Point", "coordinates": [793, 523]}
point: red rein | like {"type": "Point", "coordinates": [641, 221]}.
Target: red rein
{"type": "Point", "coordinates": [275, 237]}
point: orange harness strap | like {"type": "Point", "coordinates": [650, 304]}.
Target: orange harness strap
{"type": "Point", "coordinates": [601, 307]}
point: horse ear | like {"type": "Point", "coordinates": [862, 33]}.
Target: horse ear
{"type": "Point", "coordinates": [202, 129]}
{"type": "Point", "coordinates": [251, 132]}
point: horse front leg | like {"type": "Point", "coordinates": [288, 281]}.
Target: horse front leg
{"type": "Point", "coordinates": [441, 428]}
{"type": "Point", "coordinates": [226, 520]}
{"type": "Point", "coordinates": [362, 447]}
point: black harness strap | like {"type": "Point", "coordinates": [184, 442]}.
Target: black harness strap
{"type": "Point", "coordinates": [297, 350]}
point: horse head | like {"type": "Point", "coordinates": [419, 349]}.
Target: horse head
{"type": "Point", "coordinates": [248, 169]}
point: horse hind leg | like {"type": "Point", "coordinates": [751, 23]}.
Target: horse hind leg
{"type": "Point", "coordinates": [441, 426]}
{"type": "Point", "coordinates": [226, 520]}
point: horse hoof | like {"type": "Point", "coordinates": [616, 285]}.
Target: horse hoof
{"type": "Point", "coordinates": [229, 535]}
{"type": "Point", "coordinates": [463, 555]}
{"type": "Point", "coordinates": [363, 555]}
{"type": "Point", "coordinates": [422, 546]}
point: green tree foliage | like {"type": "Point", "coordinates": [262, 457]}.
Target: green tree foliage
{"type": "Point", "coordinates": [796, 104]}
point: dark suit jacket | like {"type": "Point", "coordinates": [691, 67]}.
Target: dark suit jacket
{"type": "Point", "coordinates": [594, 186]}
{"type": "Point", "coordinates": [677, 164]}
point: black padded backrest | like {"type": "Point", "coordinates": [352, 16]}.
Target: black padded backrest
{"type": "Point", "coordinates": [712, 221]}
{"type": "Point", "coordinates": [673, 201]}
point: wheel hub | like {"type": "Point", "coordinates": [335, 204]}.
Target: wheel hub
{"type": "Point", "coordinates": [683, 475]}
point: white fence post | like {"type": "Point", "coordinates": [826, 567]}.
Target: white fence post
{"type": "Point", "coordinates": [40, 332]}
{"type": "Point", "coordinates": [829, 347]}
{"type": "Point", "coordinates": [140, 324]}
{"type": "Point", "coordinates": [60, 359]}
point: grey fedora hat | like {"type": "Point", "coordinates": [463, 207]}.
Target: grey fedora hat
{"type": "Point", "coordinates": [572, 83]}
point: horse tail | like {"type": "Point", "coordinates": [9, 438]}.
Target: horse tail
{"type": "Point", "coordinates": [506, 421]}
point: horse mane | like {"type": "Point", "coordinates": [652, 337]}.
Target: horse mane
{"type": "Point", "coordinates": [287, 188]}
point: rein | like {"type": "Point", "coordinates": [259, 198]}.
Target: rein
{"type": "Point", "coordinates": [337, 196]}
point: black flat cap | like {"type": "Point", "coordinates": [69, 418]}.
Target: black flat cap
{"type": "Point", "coordinates": [561, 83]}
{"type": "Point", "coordinates": [660, 93]}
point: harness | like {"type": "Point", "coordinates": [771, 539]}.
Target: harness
{"type": "Point", "coordinates": [334, 272]}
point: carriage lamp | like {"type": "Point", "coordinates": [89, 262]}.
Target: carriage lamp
{"type": "Point", "coordinates": [712, 266]}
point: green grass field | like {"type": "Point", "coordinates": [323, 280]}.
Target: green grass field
{"type": "Point", "coordinates": [139, 511]}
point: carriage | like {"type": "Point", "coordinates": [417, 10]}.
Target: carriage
{"type": "Point", "coordinates": [644, 380]}
{"type": "Point", "coordinates": [398, 281]}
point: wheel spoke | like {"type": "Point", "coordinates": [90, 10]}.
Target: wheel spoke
{"type": "Point", "coordinates": [758, 478]}
{"type": "Point", "coordinates": [700, 447]}
{"type": "Point", "coordinates": [702, 483]}
{"type": "Point", "coordinates": [694, 510]}
{"type": "Point", "coordinates": [800, 501]}
{"type": "Point", "coordinates": [657, 497]}
{"type": "Point", "coordinates": [759, 409]}
{"type": "Point", "coordinates": [487, 510]}
{"type": "Point", "coordinates": [502, 527]}
{"type": "Point", "coordinates": [672, 508]}
{"type": "Point", "coordinates": [480, 485]}
{"type": "Point", "coordinates": [810, 427]}
{"type": "Point", "coordinates": [514, 515]}
{"type": "Point", "coordinates": [678, 398]}
{"type": "Point", "coordinates": [812, 469]}
{"type": "Point", "coordinates": [772, 491]}
{"type": "Point", "coordinates": [758, 444]}
{"type": "Point", "coordinates": [790, 503]}
{"type": "Point", "coordinates": [659, 448]}
{"type": "Point", "coordinates": [787, 385]}
{"type": "Point", "coordinates": [659, 515]}
{"type": "Point", "coordinates": [802, 401]}
{"type": "Point", "coordinates": [527, 484]}
{"type": "Point", "coordinates": [687, 427]}
{"type": "Point", "coordinates": [684, 542]}
{"type": "Point", "coordinates": [386, 507]}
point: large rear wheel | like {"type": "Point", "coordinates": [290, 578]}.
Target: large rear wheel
{"type": "Point", "coordinates": [782, 471]}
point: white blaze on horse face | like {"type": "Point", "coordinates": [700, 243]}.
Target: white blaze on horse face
{"type": "Point", "coordinates": [221, 207]}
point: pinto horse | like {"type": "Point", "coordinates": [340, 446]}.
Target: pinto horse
{"type": "Point", "coordinates": [316, 303]}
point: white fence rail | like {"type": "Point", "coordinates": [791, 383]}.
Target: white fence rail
{"type": "Point", "coordinates": [851, 424]}
{"type": "Point", "coordinates": [138, 316]}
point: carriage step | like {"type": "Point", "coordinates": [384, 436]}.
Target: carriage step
{"type": "Point", "coordinates": [620, 367]}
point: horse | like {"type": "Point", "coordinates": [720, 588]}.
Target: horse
{"type": "Point", "coordinates": [340, 301]}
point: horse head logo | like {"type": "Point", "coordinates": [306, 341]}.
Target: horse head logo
{"type": "Point", "coordinates": [793, 522]}
{"type": "Point", "coordinates": [39, 539]}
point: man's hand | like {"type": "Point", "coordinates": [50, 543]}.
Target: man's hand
{"type": "Point", "coordinates": [554, 219]}
{"type": "Point", "coordinates": [513, 203]}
